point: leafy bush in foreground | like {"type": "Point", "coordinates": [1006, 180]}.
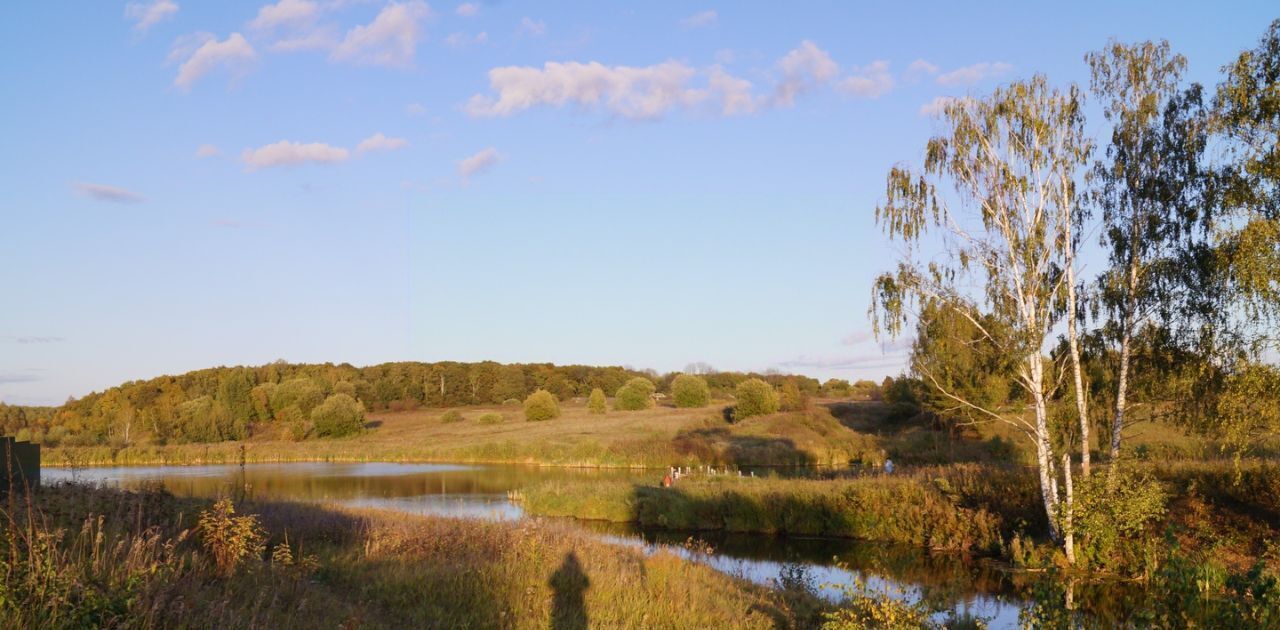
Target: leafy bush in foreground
{"type": "Point", "coordinates": [337, 416]}
{"type": "Point", "coordinates": [596, 403]}
{"type": "Point", "coordinates": [541, 405]}
{"type": "Point", "coordinates": [637, 394]}
{"type": "Point", "coordinates": [755, 398]}
{"type": "Point", "coordinates": [690, 391]}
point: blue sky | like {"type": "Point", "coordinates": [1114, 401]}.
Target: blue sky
{"type": "Point", "coordinates": [650, 184]}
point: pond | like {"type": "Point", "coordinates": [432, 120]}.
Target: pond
{"type": "Point", "coordinates": [976, 587]}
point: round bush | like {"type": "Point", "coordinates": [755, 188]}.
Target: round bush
{"type": "Point", "coordinates": [490, 418]}
{"type": "Point", "coordinates": [596, 403]}
{"type": "Point", "coordinates": [635, 395]}
{"type": "Point", "coordinates": [451, 416]}
{"type": "Point", "coordinates": [755, 398]}
{"type": "Point", "coordinates": [690, 391]}
{"type": "Point", "coordinates": [337, 416]}
{"type": "Point", "coordinates": [541, 405]}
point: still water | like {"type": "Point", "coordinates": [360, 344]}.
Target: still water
{"type": "Point", "coordinates": [947, 581]}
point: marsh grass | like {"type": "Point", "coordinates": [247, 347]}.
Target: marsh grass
{"type": "Point", "coordinates": [82, 556]}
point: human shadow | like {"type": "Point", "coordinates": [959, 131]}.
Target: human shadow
{"type": "Point", "coordinates": [569, 583]}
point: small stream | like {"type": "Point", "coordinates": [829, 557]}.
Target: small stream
{"type": "Point", "coordinates": [947, 581]}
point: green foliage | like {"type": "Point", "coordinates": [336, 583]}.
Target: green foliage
{"type": "Point", "coordinates": [1113, 517]}
{"type": "Point", "coordinates": [302, 393]}
{"type": "Point", "coordinates": [1248, 407]}
{"type": "Point", "coordinates": [864, 608]}
{"type": "Point", "coordinates": [792, 398]}
{"type": "Point", "coordinates": [206, 420]}
{"type": "Point", "coordinates": [690, 391]}
{"type": "Point", "coordinates": [491, 418]}
{"type": "Point", "coordinates": [230, 539]}
{"type": "Point", "coordinates": [339, 415]}
{"type": "Point", "coordinates": [596, 402]}
{"type": "Point", "coordinates": [451, 416]}
{"type": "Point", "coordinates": [637, 394]}
{"type": "Point", "coordinates": [754, 398]}
{"type": "Point", "coordinates": [541, 405]}
{"type": "Point", "coordinates": [952, 354]}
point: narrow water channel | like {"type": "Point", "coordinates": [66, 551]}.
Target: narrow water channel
{"type": "Point", "coordinates": [953, 582]}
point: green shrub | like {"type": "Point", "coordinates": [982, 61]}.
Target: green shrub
{"type": "Point", "coordinates": [596, 403]}
{"type": "Point", "coordinates": [690, 391]}
{"type": "Point", "coordinates": [491, 418]}
{"type": "Point", "coordinates": [792, 398]}
{"type": "Point", "coordinates": [755, 398]}
{"type": "Point", "coordinates": [337, 416]}
{"type": "Point", "coordinates": [635, 395]}
{"type": "Point", "coordinates": [541, 405]}
{"type": "Point", "coordinates": [451, 416]}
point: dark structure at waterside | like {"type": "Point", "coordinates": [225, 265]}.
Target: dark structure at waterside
{"type": "Point", "coordinates": [21, 464]}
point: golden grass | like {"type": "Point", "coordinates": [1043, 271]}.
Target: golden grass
{"type": "Point", "coordinates": [94, 557]}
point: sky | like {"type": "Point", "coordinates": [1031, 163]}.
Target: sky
{"type": "Point", "coordinates": [188, 184]}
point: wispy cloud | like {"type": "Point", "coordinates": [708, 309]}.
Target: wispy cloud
{"type": "Point", "coordinates": [103, 192]}
{"type": "Point", "coordinates": [380, 142]}
{"type": "Point", "coordinates": [207, 151]}
{"type": "Point", "coordinates": [7, 378]}
{"type": "Point", "coordinates": [803, 69]}
{"type": "Point", "coordinates": [856, 337]}
{"type": "Point", "coordinates": [852, 362]}
{"type": "Point", "coordinates": [654, 91]}
{"type": "Point", "coordinates": [286, 13]}
{"type": "Point", "coordinates": [870, 81]}
{"type": "Point", "coordinates": [532, 27]}
{"type": "Point", "coordinates": [147, 14]}
{"type": "Point", "coordinates": [35, 339]}
{"type": "Point", "coordinates": [415, 109]}
{"type": "Point", "coordinates": [467, 9]}
{"type": "Point", "coordinates": [970, 75]}
{"type": "Point", "coordinates": [919, 68]}
{"type": "Point", "coordinates": [391, 39]}
{"type": "Point", "coordinates": [460, 40]}
{"type": "Point", "coordinates": [700, 20]}
{"type": "Point", "coordinates": [286, 153]}
{"type": "Point", "coordinates": [201, 53]}
{"type": "Point", "coordinates": [481, 162]}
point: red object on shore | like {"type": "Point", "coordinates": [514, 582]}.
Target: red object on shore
{"type": "Point", "coordinates": [666, 481]}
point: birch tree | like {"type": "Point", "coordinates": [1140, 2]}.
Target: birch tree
{"type": "Point", "coordinates": [1147, 187]}
{"type": "Point", "coordinates": [981, 230]}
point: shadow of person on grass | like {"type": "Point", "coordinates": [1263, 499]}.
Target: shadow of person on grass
{"type": "Point", "coordinates": [569, 582]}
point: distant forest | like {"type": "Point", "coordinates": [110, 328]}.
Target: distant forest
{"type": "Point", "coordinates": [233, 403]}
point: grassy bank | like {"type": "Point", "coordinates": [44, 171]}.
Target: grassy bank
{"type": "Point", "coordinates": [1212, 509]}
{"type": "Point", "coordinates": [960, 508]}
{"type": "Point", "coordinates": [81, 556]}
{"type": "Point", "coordinates": [652, 438]}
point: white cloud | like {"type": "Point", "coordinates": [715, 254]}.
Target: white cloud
{"type": "Point", "coordinates": [870, 81]}
{"type": "Point", "coordinates": [530, 26]}
{"type": "Point", "coordinates": [459, 40]}
{"type": "Point", "coordinates": [919, 67]}
{"type": "Point", "coordinates": [207, 150]}
{"type": "Point", "coordinates": [478, 163]}
{"type": "Point", "coordinates": [391, 39]}
{"type": "Point", "coordinates": [631, 92]}
{"type": "Point", "coordinates": [467, 9]}
{"type": "Point", "coordinates": [415, 109]}
{"type": "Point", "coordinates": [699, 20]}
{"type": "Point", "coordinates": [318, 38]}
{"type": "Point", "coordinates": [286, 153]}
{"type": "Point", "coordinates": [803, 69]}
{"type": "Point", "coordinates": [379, 142]}
{"type": "Point", "coordinates": [287, 13]}
{"type": "Point", "coordinates": [735, 94]}
{"type": "Point", "coordinates": [936, 106]}
{"type": "Point", "coordinates": [146, 15]}
{"type": "Point", "coordinates": [856, 337]}
{"type": "Point", "coordinates": [202, 53]}
{"type": "Point", "coordinates": [103, 192]}
{"type": "Point", "coordinates": [969, 75]}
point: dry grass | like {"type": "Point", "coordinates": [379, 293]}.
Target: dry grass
{"type": "Point", "coordinates": [653, 438]}
{"type": "Point", "coordinates": [81, 556]}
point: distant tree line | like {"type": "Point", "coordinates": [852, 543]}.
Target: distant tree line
{"type": "Point", "coordinates": [301, 401]}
